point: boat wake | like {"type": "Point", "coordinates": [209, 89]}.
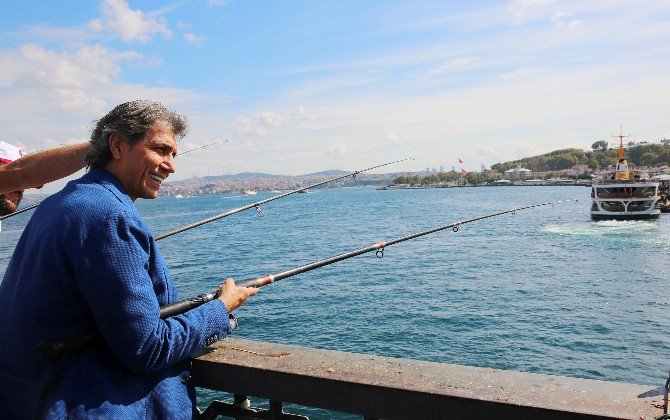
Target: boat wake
{"type": "Point", "coordinates": [606, 228]}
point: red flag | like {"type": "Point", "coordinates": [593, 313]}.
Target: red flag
{"type": "Point", "coordinates": [463, 171]}
{"type": "Point", "coordinates": [460, 160]}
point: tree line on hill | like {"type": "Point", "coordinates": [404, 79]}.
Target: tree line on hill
{"type": "Point", "coordinates": [600, 157]}
{"type": "Point", "coordinates": [472, 178]}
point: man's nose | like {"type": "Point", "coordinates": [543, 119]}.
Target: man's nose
{"type": "Point", "coordinates": [168, 164]}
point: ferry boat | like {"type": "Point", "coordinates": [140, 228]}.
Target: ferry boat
{"type": "Point", "coordinates": [249, 192]}
{"type": "Point", "coordinates": [624, 194]}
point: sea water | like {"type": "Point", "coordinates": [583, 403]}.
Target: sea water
{"type": "Point", "coordinates": [543, 290]}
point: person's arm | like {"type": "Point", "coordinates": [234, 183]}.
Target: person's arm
{"type": "Point", "coordinates": [37, 169]}
{"type": "Point", "coordinates": [114, 277]}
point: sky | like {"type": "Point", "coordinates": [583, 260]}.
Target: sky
{"type": "Point", "coordinates": [305, 86]}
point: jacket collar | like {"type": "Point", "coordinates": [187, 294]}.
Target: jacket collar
{"type": "Point", "coordinates": [109, 182]}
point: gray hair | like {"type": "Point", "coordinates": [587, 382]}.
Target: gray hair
{"type": "Point", "coordinates": [132, 121]}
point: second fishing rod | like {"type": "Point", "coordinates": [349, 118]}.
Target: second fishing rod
{"type": "Point", "coordinates": [257, 204]}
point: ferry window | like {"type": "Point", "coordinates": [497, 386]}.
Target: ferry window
{"type": "Point", "coordinates": [645, 192]}
{"type": "Point", "coordinates": [605, 193]}
{"type": "Point", "coordinates": [640, 205]}
{"type": "Point", "coordinates": [612, 206]}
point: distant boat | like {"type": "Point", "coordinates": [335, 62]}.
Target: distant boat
{"type": "Point", "coordinates": [249, 192]}
{"type": "Point", "coordinates": [624, 194]}
{"type": "Point", "coordinates": [178, 196]}
{"type": "Point", "coordinates": [303, 191]}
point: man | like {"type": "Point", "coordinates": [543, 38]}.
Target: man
{"type": "Point", "coordinates": [34, 170]}
{"type": "Point", "coordinates": [87, 262]}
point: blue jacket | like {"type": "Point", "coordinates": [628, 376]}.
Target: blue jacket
{"type": "Point", "coordinates": [87, 262]}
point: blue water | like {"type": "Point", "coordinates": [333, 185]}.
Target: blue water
{"type": "Point", "coordinates": [545, 290]}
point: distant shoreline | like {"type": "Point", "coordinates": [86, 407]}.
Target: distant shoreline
{"type": "Point", "coordinates": [35, 198]}
{"type": "Point", "coordinates": [393, 187]}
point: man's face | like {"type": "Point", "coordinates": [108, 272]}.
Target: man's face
{"type": "Point", "coordinates": [147, 163]}
{"type": "Point", "coordinates": [10, 201]}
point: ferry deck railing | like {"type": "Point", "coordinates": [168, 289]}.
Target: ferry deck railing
{"type": "Point", "coordinates": [392, 388]}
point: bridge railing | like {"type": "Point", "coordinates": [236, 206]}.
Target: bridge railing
{"type": "Point", "coordinates": [384, 387]}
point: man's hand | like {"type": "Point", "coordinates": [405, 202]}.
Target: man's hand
{"type": "Point", "coordinates": [234, 296]}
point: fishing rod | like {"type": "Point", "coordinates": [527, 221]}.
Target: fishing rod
{"type": "Point", "coordinates": [53, 348]}
{"type": "Point", "coordinates": [180, 154]}
{"type": "Point", "coordinates": [16, 212]}
{"type": "Point", "coordinates": [257, 204]}
{"type": "Point", "coordinates": [19, 211]}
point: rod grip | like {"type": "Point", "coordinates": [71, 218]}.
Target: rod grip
{"type": "Point", "coordinates": [187, 304]}
{"type": "Point", "coordinates": [247, 283]}
{"type": "Point", "coordinates": [53, 348]}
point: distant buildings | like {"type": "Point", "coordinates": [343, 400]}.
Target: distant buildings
{"type": "Point", "coordinates": [631, 144]}
{"type": "Point", "coordinates": [233, 185]}
{"type": "Point", "coordinates": [520, 174]}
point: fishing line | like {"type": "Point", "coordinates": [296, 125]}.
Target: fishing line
{"type": "Point", "coordinates": [202, 147]}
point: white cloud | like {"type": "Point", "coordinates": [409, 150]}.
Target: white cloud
{"type": "Point", "coordinates": [129, 24]}
{"type": "Point", "coordinates": [453, 64]}
{"type": "Point", "coordinates": [276, 121]}
{"type": "Point", "coordinates": [486, 151]}
{"type": "Point", "coordinates": [575, 24]}
{"type": "Point", "coordinates": [563, 19]}
{"type": "Point", "coordinates": [522, 8]}
{"type": "Point", "coordinates": [194, 39]}
{"type": "Point", "coordinates": [396, 137]}
{"type": "Point", "coordinates": [32, 66]}
{"type": "Point", "coordinates": [269, 119]}
{"type": "Point", "coordinates": [245, 125]}
{"type": "Point", "coordinates": [337, 150]}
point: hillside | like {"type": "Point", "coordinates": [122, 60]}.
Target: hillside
{"type": "Point", "coordinates": [645, 155]}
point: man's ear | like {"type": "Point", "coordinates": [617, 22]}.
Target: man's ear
{"type": "Point", "coordinates": [116, 145]}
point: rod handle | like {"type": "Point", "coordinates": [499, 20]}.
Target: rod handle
{"type": "Point", "coordinates": [187, 304]}
{"type": "Point", "coordinates": [51, 349]}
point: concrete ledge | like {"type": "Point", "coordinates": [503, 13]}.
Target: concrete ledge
{"type": "Point", "coordinates": [390, 388]}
